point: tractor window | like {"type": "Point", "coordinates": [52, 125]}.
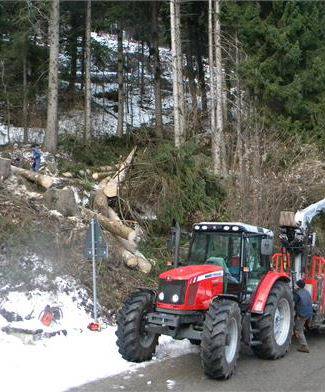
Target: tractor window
{"type": "Point", "coordinates": [223, 249]}
{"type": "Point", "coordinates": [258, 264]}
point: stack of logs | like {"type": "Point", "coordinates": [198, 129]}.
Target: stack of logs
{"type": "Point", "coordinates": [111, 179]}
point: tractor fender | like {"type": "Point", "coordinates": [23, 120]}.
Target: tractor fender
{"type": "Point", "coordinates": [263, 290]}
{"type": "Point", "coordinates": [151, 291]}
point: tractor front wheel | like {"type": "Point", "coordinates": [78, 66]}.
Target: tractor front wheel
{"type": "Point", "coordinates": [221, 339]}
{"type": "Point", "coordinates": [135, 343]}
{"type": "Point", "coordinates": [272, 331]}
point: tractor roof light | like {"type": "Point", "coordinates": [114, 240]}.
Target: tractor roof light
{"type": "Point", "coordinates": [235, 228]}
{"type": "Point", "coordinates": [205, 227]}
{"type": "Point", "coordinates": [226, 228]}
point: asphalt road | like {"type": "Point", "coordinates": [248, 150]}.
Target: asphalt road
{"type": "Point", "coordinates": [295, 372]}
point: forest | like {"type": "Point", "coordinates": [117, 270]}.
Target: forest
{"type": "Point", "coordinates": [224, 101]}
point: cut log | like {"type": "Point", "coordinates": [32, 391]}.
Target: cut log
{"type": "Point", "coordinates": [5, 168]}
{"type": "Point", "coordinates": [107, 168]}
{"type": "Point", "coordinates": [40, 179]}
{"type": "Point", "coordinates": [67, 175]}
{"type": "Point", "coordinates": [111, 189]}
{"type": "Point", "coordinates": [114, 227]}
{"type": "Point", "coordinates": [100, 204]}
{"type": "Point", "coordinates": [136, 261]}
{"type": "Point", "coordinates": [101, 175]}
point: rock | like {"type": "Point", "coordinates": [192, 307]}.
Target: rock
{"type": "Point", "coordinates": [5, 168]}
{"type": "Point", "coordinates": [62, 200]}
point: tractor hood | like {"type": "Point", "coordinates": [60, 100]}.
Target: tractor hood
{"type": "Point", "coordinates": [191, 271]}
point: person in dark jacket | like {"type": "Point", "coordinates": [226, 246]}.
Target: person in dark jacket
{"type": "Point", "coordinates": [36, 158]}
{"type": "Point", "coordinates": [304, 312]}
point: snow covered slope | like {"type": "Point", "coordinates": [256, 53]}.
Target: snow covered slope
{"type": "Point", "coordinates": [66, 360]}
{"type": "Point", "coordinates": [35, 357]}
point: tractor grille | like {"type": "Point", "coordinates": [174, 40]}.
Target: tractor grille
{"type": "Point", "coordinates": [170, 288]}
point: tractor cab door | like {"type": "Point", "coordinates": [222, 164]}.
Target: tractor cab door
{"type": "Point", "coordinates": [255, 263]}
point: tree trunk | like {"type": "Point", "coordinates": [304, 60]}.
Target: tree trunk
{"type": "Point", "coordinates": [192, 87]}
{"type": "Point", "coordinates": [157, 68]}
{"type": "Point", "coordinates": [120, 80]}
{"type": "Point", "coordinates": [238, 108]}
{"type": "Point", "coordinates": [178, 92]}
{"type": "Point", "coordinates": [83, 61]}
{"type": "Point", "coordinates": [112, 187]}
{"type": "Point", "coordinates": [218, 143]}
{"type": "Point", "coordinates": [73, 51]}
{"type": "Point", "coordinates": [51, 136]}
{"type": "Point", "coordinates": [25, 110]}
{"type": "Point", "coordinates": [113, 226]}
{"type": "Point", "coordinates": [198, 45]}
{"type": "Point", "coordinates": [215, 151]}
{"type": "Point", "coordinates": [87, 129]}
{"type": "Point", "coordinates": [40, 179]}
{"type": "Point", "coordinates": [142, 75]}
{"type": "Point", "coordinates": [5, 91]}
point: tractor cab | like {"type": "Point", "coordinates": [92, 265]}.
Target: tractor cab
{"type": "Point", "coordinates": [243, 251]}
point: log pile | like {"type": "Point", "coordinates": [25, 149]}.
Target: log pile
{"type": "Point", "coordinates": [111, 179]}
{"type": "Point", "coordinates": [127, 237]}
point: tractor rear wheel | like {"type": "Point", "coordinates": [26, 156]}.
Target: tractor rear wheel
{"type": "Point", "coordinates": [272, 331]}
{"type": "Point", "coordinates": [221, 339]}
{"type": "Point", "coordinates": [135, 343]}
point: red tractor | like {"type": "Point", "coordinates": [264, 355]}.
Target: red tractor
{"type": "Point", "coordinates": [230, 289]}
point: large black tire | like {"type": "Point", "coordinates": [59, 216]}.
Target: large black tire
{"type": "Point", "coordinates": [221, 339]}
{"type": "Point", "coordinates": [134, 343]}
{"type": "Point", "coordinates": [272, 331]}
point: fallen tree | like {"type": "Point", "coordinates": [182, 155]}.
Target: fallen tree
{"type": "Point", "coordinates": [40, 179]}
{"type": "Point", "coordinates": [111, 186]}
{"type": "Point", "coordinates": [127, 239]}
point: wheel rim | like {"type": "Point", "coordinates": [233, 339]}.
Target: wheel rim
{"type": "Point", "coordinates": [231, 340]}
{"type": "Point", "coordinates": [282, 318]}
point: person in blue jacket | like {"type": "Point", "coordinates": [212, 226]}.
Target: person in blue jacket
{"type": "Point", "coordinates": [36, 158]}
{"type": "Point", "coordinates": [304, 312]}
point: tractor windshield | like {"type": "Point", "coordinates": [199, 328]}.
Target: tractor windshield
{"type": "Point", "coordinates": [222, 249]}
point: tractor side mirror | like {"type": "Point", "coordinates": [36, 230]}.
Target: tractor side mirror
{"type": "Point", "coordinates": [267, 246]}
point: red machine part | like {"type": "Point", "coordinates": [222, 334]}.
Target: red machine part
{"type": "Point", "coordinates": [281, 262]}
{"type": "Point", "coordinates": [315, 277]}
{"type": "Point", "coordinates": [263, 290]}
{"type": "Point", "coordinates": [204, 282]}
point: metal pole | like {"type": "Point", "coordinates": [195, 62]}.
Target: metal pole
{"type": "Point", "coordinates": [94, 267]}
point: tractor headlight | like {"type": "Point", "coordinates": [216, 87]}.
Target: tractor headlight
{"type": "Point", "coordinates": [175, 298]}
{"type": "Point", "coordinates": [161, 296]}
